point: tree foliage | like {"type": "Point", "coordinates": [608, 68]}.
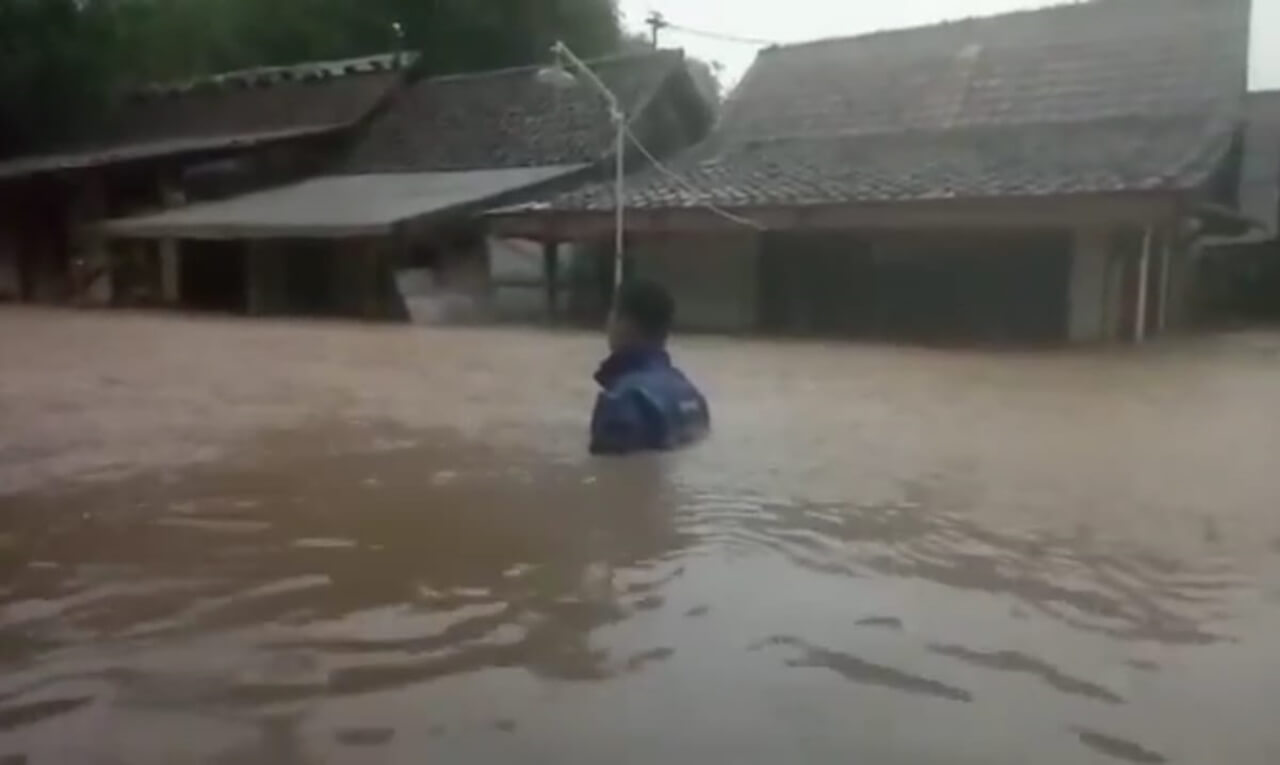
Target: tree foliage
{"type": "Point", "coordinates": [60, 60]}
{"type": "Point", "coordinates": [51, 64]}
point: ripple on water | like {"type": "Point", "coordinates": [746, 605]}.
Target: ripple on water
{"type": "Point", "coordinates": [321, 593]}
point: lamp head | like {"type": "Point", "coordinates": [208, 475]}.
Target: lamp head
{"type": "Point", "coordinates": [557, 75]}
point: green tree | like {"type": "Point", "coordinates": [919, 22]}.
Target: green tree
{"type": "Point", "coordinates": [62, 60]}
{"type": "Point", "coordinates": [53, 72]}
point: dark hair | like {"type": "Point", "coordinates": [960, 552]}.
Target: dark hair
{"type": "Point", "coordinates": [648, 307]}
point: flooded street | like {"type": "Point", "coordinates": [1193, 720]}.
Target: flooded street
{"type": "Point", "coordinates": [229, 541]}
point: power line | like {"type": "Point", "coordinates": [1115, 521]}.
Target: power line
{"type": "Point", "coordinates": [657, 22]}
{"type": "Point", "coordinates": [689, 185]}
{"type": "Point", "coordinates": [719, 35]}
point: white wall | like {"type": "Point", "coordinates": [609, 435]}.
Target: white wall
{"type": "Point", "coordinates": [518, 279]}
{"type": "Point", "coordinates": [713, 277]}
{"type": "Point", "coordinates": [515, 260]}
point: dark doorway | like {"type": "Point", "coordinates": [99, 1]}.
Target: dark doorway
{"type": "Point", "coordinates": [309, 278]}
{"type": "Point", "coordinates": [213, 276]}
{"type": "Point", "coordinates": [960, 287]}
{"type": "Point", "coordinates": [815, 284]}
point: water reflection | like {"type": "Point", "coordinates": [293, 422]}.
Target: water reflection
{"type": "Point", "coordinates": [857, 670]}
{"type": "Point", "coordinates": [1016, 661]}
{"type": "Point", "coordinates": [1118, 748]}
{"type": "Point", "coordinates": [1123, 593]}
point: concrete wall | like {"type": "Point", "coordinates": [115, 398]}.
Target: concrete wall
{"type": "Point", "coordinates": [1088, 306]}
{"type": "Point", "coordinates": [518, 279]}
{"type": "Point", "coordinates": [453, 289]}
{"type": "Point", "coordinates": [714, 278]}
{"type": "Point", "coordinates": [1104, 285]}
{"type": "Point", "coordinates": [517, 273]}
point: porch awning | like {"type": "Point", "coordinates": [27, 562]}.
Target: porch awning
{"type": "Point", "coordinates": [336, 206]}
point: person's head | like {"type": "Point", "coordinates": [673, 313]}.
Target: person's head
{"type": "Point", "coordinates": [642, 315]}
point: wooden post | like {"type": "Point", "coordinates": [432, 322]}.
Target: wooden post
{"type": "Point", "coordinates": [1165, 260]}
{"type": "Point", "coordinates": [551, 275]}
{"type": "Point", "coordinates": [171, 195]}
{"type": "Point", "coordinates": [370, 253]}
{"type": "Point", "coordinates": [1144, 275]}
{"type": "Point", "coordinates": [255, 278]}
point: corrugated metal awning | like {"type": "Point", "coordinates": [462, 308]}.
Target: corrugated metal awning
{"type": "Point", "coordinates": [334, 206]}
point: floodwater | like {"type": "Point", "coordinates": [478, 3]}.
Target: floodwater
{"type": "Point", "coordinates": [227, 541]}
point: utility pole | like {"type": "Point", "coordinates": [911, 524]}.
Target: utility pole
{"type": "Point", "coordinates": [656, 22]}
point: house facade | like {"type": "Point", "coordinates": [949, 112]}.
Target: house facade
{"type": "Point", "coordinates": [160, 147]}
{"type": "Point", "coordinates": [390, 229]}
{"type": "Point", "coordinates": [1040, 176]}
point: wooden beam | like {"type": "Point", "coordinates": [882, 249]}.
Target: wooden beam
{"type": "Point", "coordinates": [1103, 209]}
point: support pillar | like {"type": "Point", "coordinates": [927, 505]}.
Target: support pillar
{"type": "Point", "coordinates": [370, 254]}
{"type": "Point", "coordinates": [1144, 276]}
{"type": "Point", "coordinates": [255, 278]}
{"type": "Point", "coordinates": [1165, 259]}
{"type": "Point", "coordinates": [171, 195]}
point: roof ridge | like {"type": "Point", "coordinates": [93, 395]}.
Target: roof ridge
{"type": "Point", "coordinates": [1100, 120]}
{"type": "Point", "coordinates": [673, 53]}
{"type": "Point", "coordinates": [273, 75]}
{"type": "Point", "coordinates": [1050, 6]}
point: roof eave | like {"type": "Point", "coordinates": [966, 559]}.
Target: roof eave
{"type": "Point", "coordinates": [1149, 207]}
{"type": "Point", "coordinates": [47, 165]}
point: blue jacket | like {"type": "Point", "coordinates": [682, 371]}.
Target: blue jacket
{"type": "Point", "coordinates": [646, 405]}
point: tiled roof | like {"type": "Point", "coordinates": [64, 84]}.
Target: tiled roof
{"type": "Point", "coordinates": [1109, 95]}
{"type": "Point", "coordinates": [508, 118]}
{"type": "Point", "coordinates": [1118, 154]}
{"type": "Point", "coordinates": [1069, 63]}
{"type": "Point", "coordinates": [231, 110]}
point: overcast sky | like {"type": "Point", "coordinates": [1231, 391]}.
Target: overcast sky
{"type": "Point", "coordinates": [796, 20]}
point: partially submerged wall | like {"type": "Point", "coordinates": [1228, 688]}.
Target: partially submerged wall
{"type": "Point", "coordinates": [713, 277]}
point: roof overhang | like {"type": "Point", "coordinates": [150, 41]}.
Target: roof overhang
{"type": "Point", "coordinates": [89, 159]}
{"type": "Point", "coordinates": [1148, 208]}
{"type": "Point", "coordinates": [337, 206]}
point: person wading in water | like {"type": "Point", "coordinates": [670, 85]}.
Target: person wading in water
{"type": "Point", "coordinates": [645, 404]}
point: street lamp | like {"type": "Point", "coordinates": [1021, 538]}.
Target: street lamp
{"type": "Point", "coordinates": [559, 76]}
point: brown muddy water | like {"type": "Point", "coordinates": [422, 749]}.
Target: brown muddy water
{"type": "Point", "coordinates": [228, 541]}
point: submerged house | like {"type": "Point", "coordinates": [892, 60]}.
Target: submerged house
{"type": "Point", "coordinates": [163, 145]}
{"type": "Point", "coordinates": [1036, 176]}
{"type": "Point", "coordinates": [398, 212]}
